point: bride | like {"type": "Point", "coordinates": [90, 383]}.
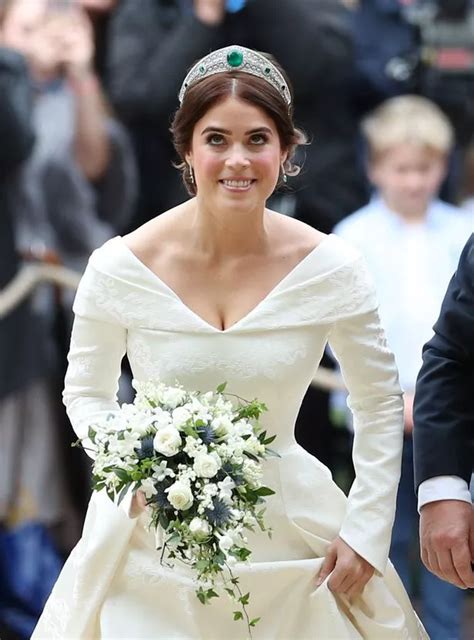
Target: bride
{"type": "Point", "coordinates": [222, 289]}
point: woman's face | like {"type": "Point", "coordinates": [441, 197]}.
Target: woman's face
{"type": "Point", "coordinates": [236, 156]}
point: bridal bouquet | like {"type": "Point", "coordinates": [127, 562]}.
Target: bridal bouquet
{"type": "Point", "coordinates": [197, 459]}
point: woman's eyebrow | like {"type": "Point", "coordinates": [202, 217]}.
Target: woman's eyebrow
{"type": "Point", "coordinates": [262, 129]}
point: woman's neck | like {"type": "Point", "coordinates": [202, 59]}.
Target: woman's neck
{"type": "Point", "coordinates": [227, 233]}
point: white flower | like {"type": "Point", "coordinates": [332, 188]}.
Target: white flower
{"type": "Point", "coordinates": [148, 487]}
{"type": "Point", "coordinates": [124, 446]}
{"type": "Point", "coordinates": [167, 441]}
{"type": "Point", "coordinates": [199, 528]}
{"type": "Point", "coordinates": [161, 418]}
{"type": "Point", "coordinates": [222, 425]}
{"type": "Point", "coordinates": [160, 471]}
{"type": "Point", "coordinates": [225, 489]}
{"type": "Point", "coordinates": [206, 466]}
{"type": "Point", "coordinates": [225, 543]}
{"type": "Point", "coordinates": [172, 396]}
{"type": "Point", "coordinates": [180, 496]}
{"type": "Point", "coordinates": [252, 472]}
{"type": "Point", "coordinates": [180, 416]}
{"type": "Point", "coordinates": [254, 446]}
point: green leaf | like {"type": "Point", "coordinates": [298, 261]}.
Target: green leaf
{"type": "Point", "coordinates": [264, 491]}
{"type": "Point", "coordinates": [244, 599]}
{"type": "Point", "coordinates": [238, 615]}
{"type": "Point", "coordinates": [221, 387]}
{"type": "Point", "coordinates": [210, 593]}
{"type": "Point", "coordinates": [201, 595]}
{"type": "Point", "coordinates": [231, 592]}
{"type": "Point", "coordinates": [253, 622]}
{"type": "Point", "coordinates": [121, 474]}
{"type": "Point", "coordinates": [269, 440]}
{"type": "Point", "coordinates": [122, 494]}
{"type": "Point", "coordinates": [91, 433]}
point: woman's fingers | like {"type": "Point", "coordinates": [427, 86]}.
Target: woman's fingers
{"type": "Point", "coordinates": [349, 571]}
{"type": "Point", "coordinates": [328, 565]}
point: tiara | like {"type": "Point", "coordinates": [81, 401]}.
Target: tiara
{"type": "Point", "coordinates": [236, 58]}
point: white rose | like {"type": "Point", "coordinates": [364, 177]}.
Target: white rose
{"type": "Point", "coordinates": [225, 543]}
{"type": "Point", "coordinates": [167, 441]}
{"type": "Point", "coordinates": [180, 496]}
{"type": "Point", "coordinates": [199, 528]}
{"type": "Point", "coordinates": [206, 466]}
{"type": "Point", "coordinates": [180, 416]}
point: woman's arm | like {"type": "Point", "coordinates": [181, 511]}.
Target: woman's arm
{"type": "Point", "coordinates": [375, 399]}
{"type": "Point", "coordinates": [98, 344]}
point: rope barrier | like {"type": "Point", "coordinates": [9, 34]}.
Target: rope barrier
{"type": "Point", "coordinates": [28, 278]}
{"type": "Point", "coordinates": [31, 275]}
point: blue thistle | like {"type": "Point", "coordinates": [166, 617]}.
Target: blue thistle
{"type": "Point", "coordinates": [146, 449]}
{"type": "Point", "coordinates": [206, 433]}
{"type": "Point", "coordinates": [220, 514]}
{"type": "Point", "coordinates": [161, 498]}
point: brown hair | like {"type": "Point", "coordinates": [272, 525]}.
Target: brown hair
{"type": "Point", "coordinates": [205, 93]}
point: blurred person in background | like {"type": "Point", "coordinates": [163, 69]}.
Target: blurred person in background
{"type": "Point", "coordinates": [99, 13]}
{"type": "Point", "coordinates": [78, 187]}
{"type": "Point", "coordinates": [412, 242]}
{"type": "Point", "coordinates": [424, 47]}
{"type": "Point", "coordinates": [151, 49]}
{"type": "Point", "coordinates": [32, 498]}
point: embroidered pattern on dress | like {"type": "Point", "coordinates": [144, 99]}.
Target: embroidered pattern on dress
{"type": "Point", "coordinates": [265, 361]}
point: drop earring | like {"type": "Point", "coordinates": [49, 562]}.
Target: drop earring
{"type": "Point", "coordinates": [191, 172]}
{"type": "Point", "coordinates": [284, 177]}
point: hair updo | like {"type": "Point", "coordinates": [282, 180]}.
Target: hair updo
{"type": "Point", "coordinates": [206, 93]}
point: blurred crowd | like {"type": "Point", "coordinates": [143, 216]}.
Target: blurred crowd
{"type": "Point", "coordinates": [383, 88]}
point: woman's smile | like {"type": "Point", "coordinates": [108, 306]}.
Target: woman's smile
{"type": "Point", "coordinates": [237, 185]}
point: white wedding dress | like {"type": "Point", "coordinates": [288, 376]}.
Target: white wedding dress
{"type": "Point", "coordinates": [113, 585]}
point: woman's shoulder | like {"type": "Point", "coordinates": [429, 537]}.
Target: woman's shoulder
{"type": "Point", "coordinates": [157, 232]}
{"type": "Point", "coordinates": [306, 239]}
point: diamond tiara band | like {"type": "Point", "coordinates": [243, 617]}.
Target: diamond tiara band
{"type": "Point", "coordinates": [236, 58]}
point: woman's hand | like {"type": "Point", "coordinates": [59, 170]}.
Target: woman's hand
{"type": "Point", "coordinates": [349, 571]}
{"type": "Point", "coordinates": [138, 504]}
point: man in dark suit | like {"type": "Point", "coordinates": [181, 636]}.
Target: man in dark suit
{"type": "Point", "coordinates": [444, 433]}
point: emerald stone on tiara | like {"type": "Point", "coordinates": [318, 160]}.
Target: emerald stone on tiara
{"type": "Point", "coordinates": [236, 58]}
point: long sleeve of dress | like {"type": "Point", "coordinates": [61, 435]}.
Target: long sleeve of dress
{"type": "Point", "coordinates": [375, 399]}
{"type": "Point", "coordinates": [98, 344]}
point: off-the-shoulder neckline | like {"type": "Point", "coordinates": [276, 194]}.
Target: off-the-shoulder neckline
{"type": "Point", "coordinates": [279, 285]}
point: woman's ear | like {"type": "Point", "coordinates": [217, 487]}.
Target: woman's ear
{"type": "Point", "coordinates": [284, 157]}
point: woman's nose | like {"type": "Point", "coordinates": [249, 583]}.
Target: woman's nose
{"type": "Point", "coordinates": [237, 157]}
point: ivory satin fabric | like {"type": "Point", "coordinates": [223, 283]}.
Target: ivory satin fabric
{"type": "Point", "coordinates": [113, 586]}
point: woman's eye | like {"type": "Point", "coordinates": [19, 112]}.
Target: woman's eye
{"type": "Point", "coordinates": [258, 138]}
{"type": "Point", "coordinates": [215, 139]}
